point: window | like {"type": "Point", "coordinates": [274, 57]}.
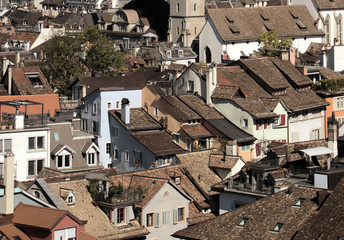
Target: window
{"type": "Point", "coordinates": [118, 104]}
{"type": "Point", "coordinates": [195, 7]}
{"type": "Point", "coordinates": [338, 103]}
{"type": "Point", "coordinates": [245, 147]}
{"type": "Point", "coordinates": [277, 228]}
{"type": "Point", "coordinates": [245, 122]}
{"type": "Point", "coordinates": [56, 136]}
{"type": "Point", "coordinates": [117, 154]}
{"type": "Point", "coordinates": [64, 161]}
{"type": "Point", "coordinates": [91, 158]}
{"type": "Point", "coordinates": [70, 199]}
{"type": "Point", "coordinates": [176, 137]}
{"type": "Point", "coordinates": [5, 145]}
{"type": "Point", "coordinates": [243, 222]}
{"type": "Point", "coordinates": [137, 156]}
{"type": "Point", "coordinates": [258, 149]}
{"type": "Point", "coordinates": [149, 219]}
{"type": "Point", "coordinates": [156, 111]}
{"type": "Point", "coordinates": [168, 53]}
{"type": "Point", "coordinates": [327, 38]}
{"type": "Point", "coordinates": [177, 180]}
{"type": "Point", "coordinates": [282, 119]}
{"type": "Point", "coordinates": [108, 148]}
{"type": "Point", "coordinates": [94, 108]}
{"type": "Point", "coordinates": [180, 52]}
{"type": "Point", "coordinates": [177, 30]}
{"type": "Point", "coordinates": [177, 7]}
{"type": "Point", "coordinates": [180, 214]}
{"type": "Point", "coordinates": [36, 143]}
{"type": "Point", "coordinates": [109, 105]}
{"type": "Point", "coordinates": [315, 134]}
{"type": "Point", "coordinates": [120, 215]}
{"type": "Point", "coordinates": [166, 218]}
{"type": "Point", "coordinates": [126, 155]}
{"type": "Point", "coordinates": [187, 144]}
{"type": "Point", "coordinates": [34, 79]}
{"type": "Point", "coordinates": [299, 202]}
{"type": "Point", "coordinates": [190, 85]}
{"type": "Point", "coordinates": [115, 132]}
{"type": "Point", "coordinates": [95, 127]}
{"type": "Point", "coordinates": [339, 29]}
{"type": "Point", "coordinates": [84, 125]}
{"type": "Point", "coordinates": [35, 166]}
{"type": "Point", "coordinates": [86, 106]}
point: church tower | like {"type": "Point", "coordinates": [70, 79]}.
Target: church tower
{"type": "Point", "coordinates": [187, 18]}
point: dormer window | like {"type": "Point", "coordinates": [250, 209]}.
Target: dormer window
{"type": "Point", "coordinates": [180, 52]}
{"type": "Point", "coordinates": [299, 202]}
{"type": "Point", "coordinates": [277, 228]}
{"type": "Point", "coordinates": [68, 195]}
{"type": "Point", "coordinates": [243, 222]}
{"type": "Point", "coordinates": [168, 53]}
{"type": "Point", "coordinates": [24, 22]}
{"type": "Point", "coordinates": [34, 79]}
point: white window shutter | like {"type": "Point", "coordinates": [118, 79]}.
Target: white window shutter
{"type": "Point", "coordinates": [175, 216]}
{"type": "Point", "coordinates": [157, 220]}
{"type": "Point", "coordinates": [115, 216]}
{"type": "Point", "coordinates": [168, 217]}
{"type": "Point", "coordinates": [127, 209]}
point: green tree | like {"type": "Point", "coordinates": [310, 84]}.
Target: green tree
{"type": "Point", "coordinates": [270, 41]}
{"type": "Point", "coordinates": [77, 55]}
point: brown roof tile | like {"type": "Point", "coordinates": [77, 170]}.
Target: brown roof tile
{"type": "Point", "coordinates": [330, 5]}
{"type": "Point", "coordinates": [10, 231]}
{"type": "Point", "coordinates": [263, 216]}
{"type": "Point", "coordinates": [238, 24]}
{"type": "Point", "coordinates": [196, 131]}
{"type": "Point", "coordinates": [223, 162]}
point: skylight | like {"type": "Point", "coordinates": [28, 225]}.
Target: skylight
{"type": "Point", "coordinates": [243, 222]}
{"type": "Point", "coordinates": [299, 202]}
{"type": "Point", "coordinates": [277, 228]}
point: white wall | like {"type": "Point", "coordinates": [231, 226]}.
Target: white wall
{"type": "Point", "coordinates": [46, 34]}
{"type": "Point", "coordinates": [320, 181]}
{"type": "Point", "coordinates": [165, 202]}
{"type": "Point", "coordinates": [211, 39]}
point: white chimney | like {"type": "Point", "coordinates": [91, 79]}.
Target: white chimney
{"type": "Point", "coordinates": [8, 199]}
{"type": "Point", "coordinates": [125, 111]}
{"type": "Point", "coordinates": [19, 122]}
{"type": "Point", "coordinates": [4, 66]}
{"type": "Point", "coordinates": [9, 79]}
{"type": "Point", "coordinates": [17, 59]}
{"type": "Point", "coordinates": [211, 82]}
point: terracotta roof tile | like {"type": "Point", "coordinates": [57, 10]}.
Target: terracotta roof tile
{"type": "Point", "coordinates": [12, 232]}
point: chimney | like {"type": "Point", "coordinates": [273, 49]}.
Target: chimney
{"type": "Point", "coordinates": [292, 55]}
{"type": "Point", "coordinates": [7, 202]}
{"type": "Point", "coordinates": [17, 59]}
{"type": "Point", "coordinates": [211, 82]}
{"type": "Point", "coordinates": [19, 122]}
{"type": "Point", "coordinates": [4, 66]}
{"type": "Point", "coordinates": [9, 81]}
{"type": "Point", "coordinates": [333, 136]}
{"type": "Point", "coordinates": [125, 111]}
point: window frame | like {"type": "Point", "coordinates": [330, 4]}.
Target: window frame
{"type": "Point", "coordinates": [35, 167]}
{"type": "Point", "coordinates": [94, 108]}
{"type": "Point", "coordinates": [243, 221]}
{"type": "Point", "coordinates": [149, 219]}
{"type": "Point", "coordinates": [120, 215]}
{"type": "Point", "coordinates": [35, 143]}
{"type": "Point", "coordinates": [277, 227]}
{"type": "Point", "coordinates": [181, 213]}
{"type": "Point", "coordinates": [109, 105]}
{"type": "Point", "coordinates": [64, 161]}
{"type": "Point", "coordinates": [108, 148]}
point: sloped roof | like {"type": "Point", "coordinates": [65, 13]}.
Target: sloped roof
{"type": "Point", "coordinates": [78, 19]}
{"type": "Point", "coordinates": [327, 73]}
{"type": "Point", "coordinates": [263, 216]}
{"type": "Point", "coordinates": [52, 196]}
{"type": "Point", "coordinates": [60, 3]}
{"type": "Point", "coordinates": [177, 108]}
{"type": "Point", "coordinates": [196, 131]}
{"type": "Point", "coordinates": [10, 231]}
{"type": "Point", "coordinates": [160, 143]}
{"type": "Point", "coordinates": [139, 120]}
{"type": "Point", "coordinates": [40, 217]}
{"type": "Point", "coordinates": [24, 36]}
{"type": "Point", "coordinates": [329, 5]}
{"type": "Point", "coordinates": [324, 224]}
{"type": "Point", "coordinates": [223, 162]}
{"type": "Point", "coordinates": [98, 224]}
{"type": "Point", "coordinates": [239, 24]}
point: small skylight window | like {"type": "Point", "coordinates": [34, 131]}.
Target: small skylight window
{"type": "Point", "coordinates": [243, 222]}
{"type": "Point", "coordinates": [299, 202]}
{"type": "Point", "coordinates": [277, 228]}
{"type": "Point", "coordinates": [56, 136]}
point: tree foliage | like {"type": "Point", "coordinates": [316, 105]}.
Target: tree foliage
{"type": "Point", "coordinates": [269, 41]}
{"type": "Point", "coordinates": [79, 54]}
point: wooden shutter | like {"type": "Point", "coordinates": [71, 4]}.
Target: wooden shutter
{"type": "Point", "coordinates": [283, 119]}
{"type": "Point", "coordinates": [258, 149]}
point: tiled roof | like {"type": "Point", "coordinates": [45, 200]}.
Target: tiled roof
{"type": "Point", "coordinates": [178, 109]}
{"type": "Point", "coordinates": [327, 73]}
{"type": "Point", "coordinates": [330, 5]}
{"type": "Point", "coordinates": [23, 84]}
{"type": "Point", "coordinates": [60, 3]}
{"type": "Point", "coordinates": [24, 36]}
{"type": "Point", "coordinates": [239, 24]}
{"type": "Point", "coordinates": [98, 223]}
{"type": "Point", "coordinates": [196, 131]}
{"type": "Point", "coordinates": [223, 162]}
{"type": "Point", "coordinates": [262, 215]}
{"type": "Point", "coordinates": [40, 217]}
{"type": "Point", "coordinates": [326, 223]}
{"type": "Point", "coordinates": [17, 16]}
{"type": "Point", "coordinates": [139, 120]}
{"type": "Point", "coordinates": [160, 143]}
{"type": "Point", "coordinates": [196, 163]}
{"type": "Point", "coordinates": [168, 172]}
{"type": "Point", "coordinates": [11, 232]}
{"type": "Point", "coordinates": [78, 19]}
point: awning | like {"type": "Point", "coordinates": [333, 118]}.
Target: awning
{"type": "Point", "coordinates": [317, 151]}
{"type": "Point", "coordinates": [149, 35]}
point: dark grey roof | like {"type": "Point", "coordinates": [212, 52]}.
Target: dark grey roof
{"type": "Point", "coordinates": [51, 194]}
{"type": "Point", "coordinates": [231, 130]}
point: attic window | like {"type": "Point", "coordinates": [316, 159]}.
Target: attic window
{"type": "Point", "coordinates": [299, 202]}
{"type": "Point", "coordinates": [168, 53]}
{"type": "Point", "coordinates": [277, 228]}
{"type": "Point", "coordinates": [264, 16]}
{"type": "Point", "coordinates": [34, 79]}
{"type": "Point", "coordinates": [180, 52]}
{"type": "Point", "coordinates": [234, 29]}
{"type": "Point", "coordinates": [243, 222]}
{"type": "Point", "coordinates": [300, 24]}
